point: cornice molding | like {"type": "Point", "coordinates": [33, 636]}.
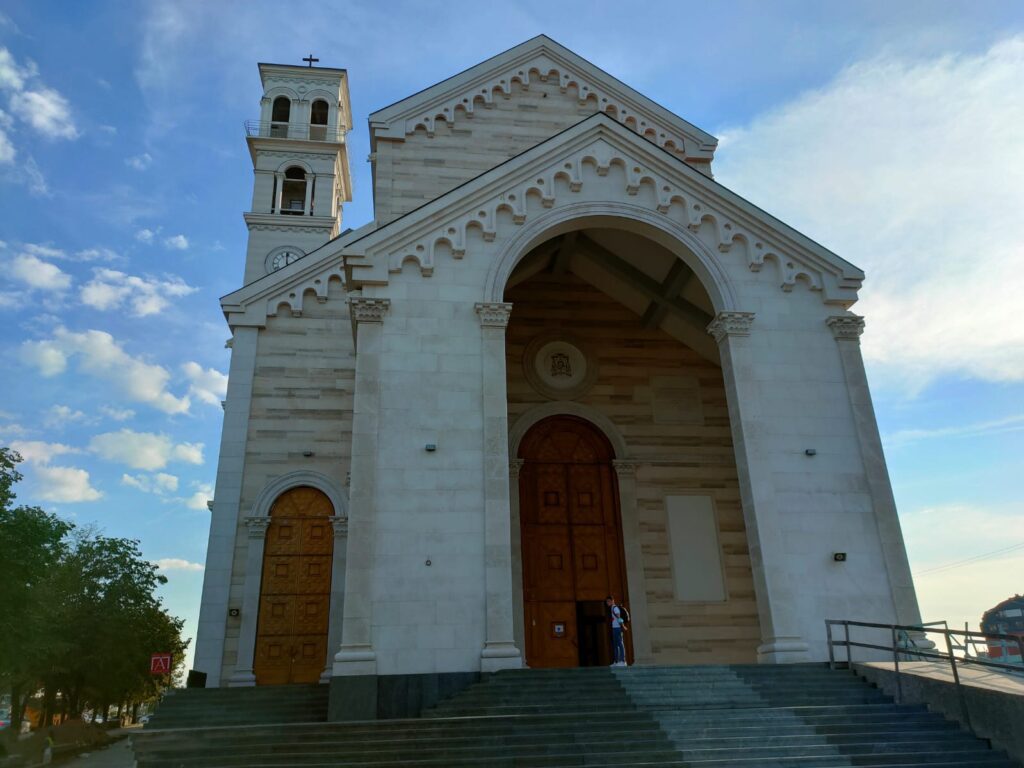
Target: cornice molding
{"type": "Point", "coordinates": [728, 324]}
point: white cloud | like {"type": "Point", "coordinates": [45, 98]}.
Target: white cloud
{"type": "Point", "coordinates": [144, 450]}
{"type": "Point", "coordinates": [160, 483]}
{"type": "Point", "coordinates": [177, 242]}
{"type": "Point", "coordinates": [61, 484]}
{"type": "Point", "coordinates": [139, 162]}
{"type": "Point", "coordinates": [39, 451]}
{"type": "Point", "coordinates": [65, 484]}
{"type": "Point", "coordinates": [914, 171]}
{"type": "Point", "coordinates": [199, 499]}
{"type": "Point", "coordinates": [60, 415]}
{"type": "Point", "coordinates": [45, 251]}
{"type": "Point", "coordinates": [36, 273]}
{"type": "Point", "coordinates": [145, 235]}
{"type": "Point", "coordinates": [177, 564]}
{"type": "Point", "coordinates": [12, 77]}
{"type": "Point", "coordinates": [978, 429]}
{"type": "Point", "coordinates": [110, 289]}
{"type": "Point", "coordinates": [117, 414]}
{"type": "Point", "coordinates": [99, 355]}
{"type": "Point", "coordinates": [960, 556]}
{"type": "Point", "coordinates": [46, 111]}
{"type": "Point", "coordinates": [208, 385]}
{"type": "Point", "coordinates": [7, 151]}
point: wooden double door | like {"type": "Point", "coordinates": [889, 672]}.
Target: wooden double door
{"type": "Point", "coordinates": [571, 543]}
{"type": "Point", "coordinates": [295, 591]}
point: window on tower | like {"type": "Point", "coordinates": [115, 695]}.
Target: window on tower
{"type": "Point", "coordinates": [318, 112]}
{"type": "Point", "coordinates": [280, 114]}
{"type": "Point", "coordinates": [293, 192]}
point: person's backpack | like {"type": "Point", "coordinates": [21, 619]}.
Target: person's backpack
{"type": "Point", "coordinates": [623, 613]}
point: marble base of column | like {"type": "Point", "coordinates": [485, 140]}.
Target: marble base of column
{"type": "Point", "coordinates": [498, 656]}
{"type": "Point", "coordinates": [354, 660]}
{"type": "Point", "coordinates": [243, 678]}
{"type": "Point", "coordinates": [783, 650]}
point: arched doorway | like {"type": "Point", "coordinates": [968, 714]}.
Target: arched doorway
{"type": "Point", "coordinates": [295, 591]}
{"type": "Point", "coordinates": [571, 543]}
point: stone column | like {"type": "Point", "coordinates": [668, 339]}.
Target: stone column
{"type": "Point", "coordinates": [244, 675]}
{"type": "Point", "coordinates": [220, 550]}
{"type": "Point", "coordinates": [499, 651]}
{"type": "Point", "coordinates": [356, 655]}
{"type": "Point", "coordinates": [847, 330]}
{"type": "Point", "coordinates": [516, 548]}
{"type": "Point", "coordinates": [340, 525]}
{"type": "Point", "coordinates": [635, 580]}
{"type": "Point", "coordinates": [278, 191]}
{"type": "Point", "coordinates": [310, 181]}
{"type": "Point", "coordinates": [777, 594]}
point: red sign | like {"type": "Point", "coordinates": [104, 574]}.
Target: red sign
{"type": "Point", "coordinates": [160, 664]}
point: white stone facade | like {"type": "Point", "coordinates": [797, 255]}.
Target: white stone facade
{"type": "Point", "coordinates": [376, 366]}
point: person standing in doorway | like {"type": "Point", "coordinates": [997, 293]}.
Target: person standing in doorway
{"type": "Point", "coordinates": [618, 620]}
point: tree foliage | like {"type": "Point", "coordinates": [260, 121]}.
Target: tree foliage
{"type": "Point", "coordinates": [78, 610]}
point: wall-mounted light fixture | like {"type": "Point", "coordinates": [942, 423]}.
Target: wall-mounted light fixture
{"type": "Point", "coordinates": [839, 557]}
{"type": "Point", "coordinates": [810, 452]}
{"type": "Point", "coordinates": [430, 447]}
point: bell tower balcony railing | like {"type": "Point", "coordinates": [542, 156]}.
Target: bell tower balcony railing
{"type": "Point", "coordinates": [274, 130]}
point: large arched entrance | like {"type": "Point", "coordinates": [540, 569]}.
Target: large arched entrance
{"type": "Point", "coordinates": [295, 591]}
{"type": "Point", "coordinates": [571, 543]}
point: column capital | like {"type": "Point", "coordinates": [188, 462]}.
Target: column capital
{"type": "Point", "coordinates": [625, 467]}
{"type": "Point", "coordinates": [514, 468]}
{"type": "Point", "coordinates": [728, 324]}
{"type": "Point", "coordinates": [340, 525]}
{"type": "Point", "coordinates": [257, 525]}
{"type": "Point", "coordinates": [846, 326]}
{"type": "Point", "coordinates": [493, 314]}
{"type": "Point", "coordinates": [366, 310]}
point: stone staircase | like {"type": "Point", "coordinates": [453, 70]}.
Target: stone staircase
{"type": "Point", "coordinates": [707, 716]}
{"type": "Point", "coordinates": [203, 707]}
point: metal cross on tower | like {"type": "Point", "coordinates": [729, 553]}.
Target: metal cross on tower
{"type": "Point", "coordinates": [311, 59]}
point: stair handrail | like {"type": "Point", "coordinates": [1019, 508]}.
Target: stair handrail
{"type": "Point", "coordinates": [903, 642]}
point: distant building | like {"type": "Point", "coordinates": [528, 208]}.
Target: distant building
{"type": "Point", "coordinates": [1007, 618]}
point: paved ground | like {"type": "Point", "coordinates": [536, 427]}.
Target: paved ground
{"type": "Point", "coordinates": [993, 679]}
{"type": "Point", "coordinates": [117, 755]}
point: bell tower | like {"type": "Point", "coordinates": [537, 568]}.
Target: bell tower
{"type": "Point", "coordinates": [300, 164]}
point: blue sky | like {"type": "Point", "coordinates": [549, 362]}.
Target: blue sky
{"type": "Point", "coordinates": [890, 132]}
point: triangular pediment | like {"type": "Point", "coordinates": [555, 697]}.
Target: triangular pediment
{"type": "Point", "coordinates": [460, 96]}
{"type": "Point", "coordinates": [598, 150]}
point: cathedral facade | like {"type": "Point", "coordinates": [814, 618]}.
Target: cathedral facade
{"type": "Point", "coordinates": [561, 363]}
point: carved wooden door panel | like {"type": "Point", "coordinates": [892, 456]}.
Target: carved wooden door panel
{"type": "Point", "coordinates": [291, 635]}
{"type": "Point", "coordinates": [571, 535]}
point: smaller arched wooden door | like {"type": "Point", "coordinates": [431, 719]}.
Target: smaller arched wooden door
{"type": "Point", "coordinates": [572, 543]}
{"type": "Point", "coordinates": [295, 591]}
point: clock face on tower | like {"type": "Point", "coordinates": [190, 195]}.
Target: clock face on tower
{"type": "Point", "coordinates": [283, 258]}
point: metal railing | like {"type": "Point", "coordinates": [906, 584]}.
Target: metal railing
{"type": "Point", "coordinates": [912, 642]}
{"type": "Point", "coordinates": [273, 130]}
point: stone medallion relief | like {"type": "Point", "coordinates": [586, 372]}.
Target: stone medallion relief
{"type": "Point", "coordinates": [559, 366]}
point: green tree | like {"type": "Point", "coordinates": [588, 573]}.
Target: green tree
{"type": "Point", "coordinates": [79, 615]}
{"type": "Point", "coordinates": [32, 543]}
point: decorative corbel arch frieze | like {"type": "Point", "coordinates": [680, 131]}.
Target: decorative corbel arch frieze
{"type": "Point", "coordinates": [505, 82]}
{"type": "Point", "coordinates": [640, 183]}
{"type": "Point", "coordinates": [318, 284]}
